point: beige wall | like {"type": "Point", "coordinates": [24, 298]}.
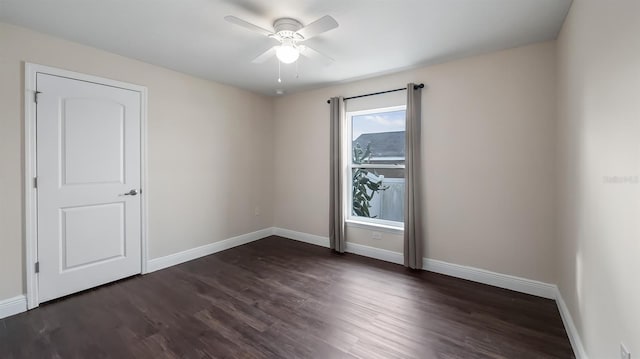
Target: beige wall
{"type": "Point", "coordinates": [489, 158]}
{"type": "Point", "coordinates": [599, 138]}
{"type": "Point", "coordinates": [210, 149]}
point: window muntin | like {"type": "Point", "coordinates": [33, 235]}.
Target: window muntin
{"type": "Point", "coordinates": [376, 159]}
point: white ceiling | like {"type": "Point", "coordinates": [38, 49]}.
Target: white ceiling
{"type": "Point", "coordinates": [374, 36]}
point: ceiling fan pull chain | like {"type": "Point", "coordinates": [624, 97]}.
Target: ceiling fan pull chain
{"type": "Point", "coordinates": [297, 75]}
{"type": "Point", "coordinates": [279, 77]}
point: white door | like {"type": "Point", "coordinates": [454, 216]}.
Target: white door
{"type": "Point", "coordinates": [88, 184]}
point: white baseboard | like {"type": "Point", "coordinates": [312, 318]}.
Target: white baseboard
{"type": "Point", "coordinates": [302, 237]}
{"type": "Point", "coordinates": [195, 253]}
{"type": "Point", "coordinates": [570, 327]}
{"type": "Point", "coordinates": [500, 280]}
{"type": "Point", "coordinates": [377, 253]}
{"type": "Point", "coordinates": [13, 306]}
{"type": "Point", "coordinates": [518, 284]}
{"type": "Point", "coordinates": [366, 251]}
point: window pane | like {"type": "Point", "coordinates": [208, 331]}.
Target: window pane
{"type": "Point", "coordinates": [378, 137]}
{"type": "Point", "coordinates": [378, 193]}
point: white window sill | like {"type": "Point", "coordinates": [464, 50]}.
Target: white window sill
{"type": "Point", "coordinates": [374, 226]}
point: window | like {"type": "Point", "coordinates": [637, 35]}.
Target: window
{"type": "Point", "coordinates": [375, 174]}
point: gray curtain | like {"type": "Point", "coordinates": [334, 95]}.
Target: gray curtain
{"type": "Point", "coordinates": [336, 209]}
{"type": "Point", "coordinates": [413, 237]}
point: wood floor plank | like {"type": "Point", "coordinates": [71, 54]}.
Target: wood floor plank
{"type": "Point", "coordinates": [277, 298]}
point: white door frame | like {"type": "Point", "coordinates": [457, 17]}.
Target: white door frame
{"type": "Point", "coordinates": [30, 197]}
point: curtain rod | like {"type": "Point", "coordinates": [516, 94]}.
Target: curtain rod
{"type": "Point", "coordinates": [415, 87]}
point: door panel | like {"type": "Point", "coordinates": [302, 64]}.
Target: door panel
{"type": "Point", "coordinates": [92, 146]}
{"type": "Point", "coordinates": [91, 235]}
{"type": "Point", "coordinates": [88, 157]}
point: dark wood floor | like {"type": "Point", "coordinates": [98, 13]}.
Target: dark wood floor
{"type": "Point", "coordinates": [277, 298]}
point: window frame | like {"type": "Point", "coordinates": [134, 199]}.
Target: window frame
{"type": "Point", "coordinates": [383, 224]}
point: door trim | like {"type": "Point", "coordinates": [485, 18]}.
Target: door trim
{"type": "Point", "coordinates": [30, 197]}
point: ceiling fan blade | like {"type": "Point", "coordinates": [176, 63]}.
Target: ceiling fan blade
{"type": "Point", "coordinates": [265, 55]}
{"type": "Point", "coordinates": [317, 27]}
{"type": "Point", "coordinates": [247, 25]}
{"type": "Point", "coordinates": [315, 55]}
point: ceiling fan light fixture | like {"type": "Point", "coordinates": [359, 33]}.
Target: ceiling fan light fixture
{"type": "Point", "coordinates": [287, 53]}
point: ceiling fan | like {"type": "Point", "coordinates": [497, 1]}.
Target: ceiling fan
{"type": "Point", "coordinates": [290, 32]}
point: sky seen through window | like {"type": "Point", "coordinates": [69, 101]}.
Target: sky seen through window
{"type": "Point", "coordinates": [378, 122]}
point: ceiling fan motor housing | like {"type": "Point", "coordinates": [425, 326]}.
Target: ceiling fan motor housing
{"type": "Point", "coordinates": [286, 28]}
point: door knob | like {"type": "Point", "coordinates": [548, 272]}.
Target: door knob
{"type": "Point", "coordinates": [133, 192]}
